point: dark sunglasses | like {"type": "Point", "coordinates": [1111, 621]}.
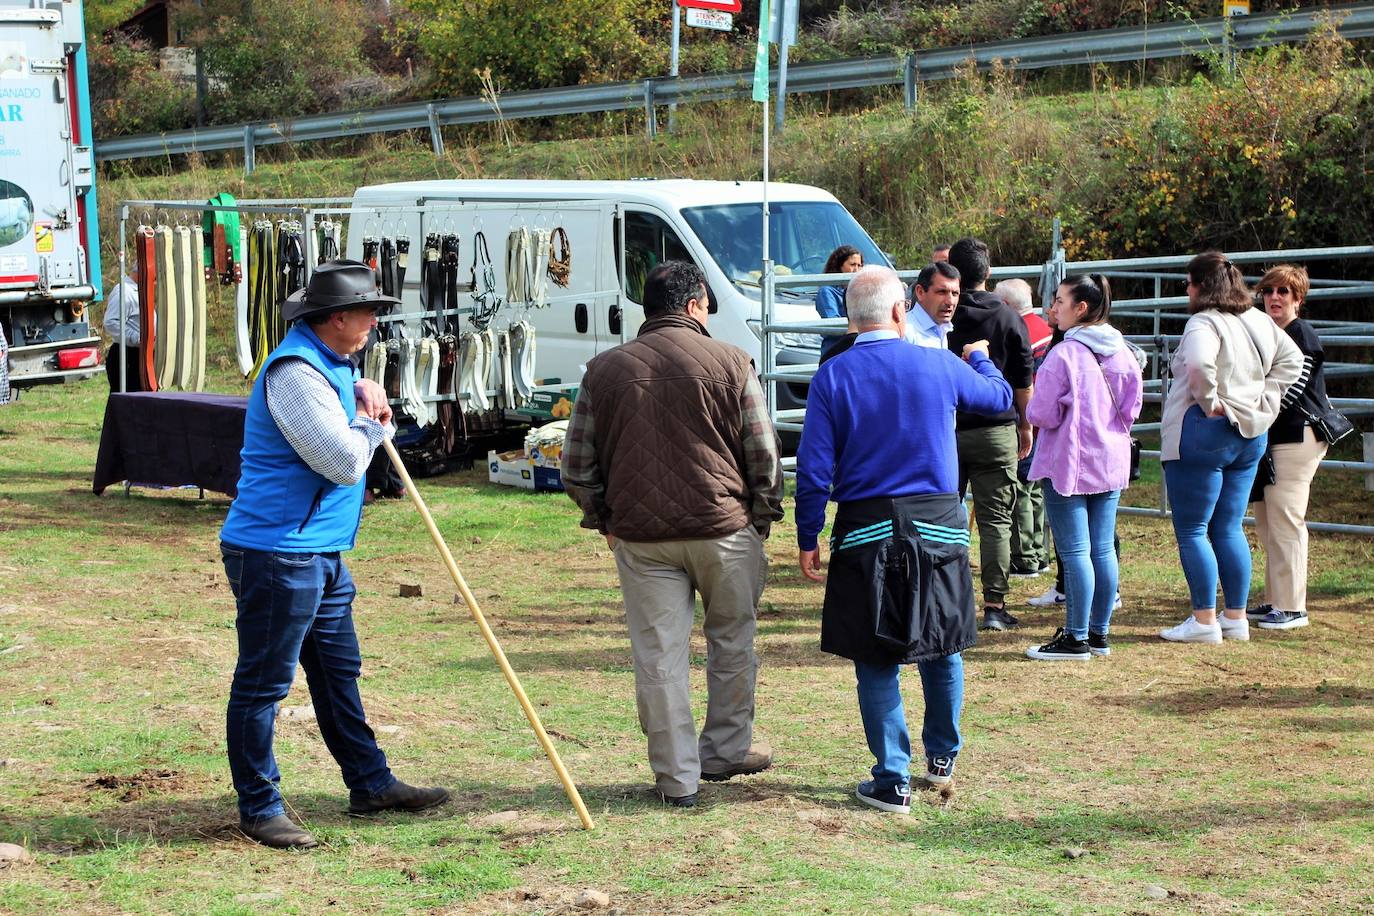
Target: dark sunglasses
{"type": "Point", "coordinates": [1281, 290]}
{"type": "Point", "coordinates": [909, 303]}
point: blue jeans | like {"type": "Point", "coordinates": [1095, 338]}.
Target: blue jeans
{"type": "Point", "coordinates": [1209, 487]}
{"type": "Point", "coordinates": [1084, 531]}
{"type": "Point", "coordinates": [884, 717]}
{"type": "Point", "coordinates": [295, 607]}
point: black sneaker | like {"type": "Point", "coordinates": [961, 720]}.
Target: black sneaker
{"type": "Point", "coordinates": [997, 618]}
{"type": "Point", "coordinates": [1062, 648]}
{"type": "Point", "coordinates": [1027, 573]}
{"type": "Point", "coordinates": [940, 770]}
{"type": "Point", "coordinates": [895, 799]}
{"type": "Point", "coordinates": [1097, 644]}
{"type": "Point", "coordinates": [1283, 620]}
{"type": "Point", "coordinates": [1259, 613]}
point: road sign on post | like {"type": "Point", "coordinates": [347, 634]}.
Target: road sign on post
{"type": "Point", "coordinates": [1235, 7]}
{"type": "Point", "coordinates": [711, 19]}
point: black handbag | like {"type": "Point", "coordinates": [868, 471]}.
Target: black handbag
{"type": "Point", "coordinates": [1331, 426]}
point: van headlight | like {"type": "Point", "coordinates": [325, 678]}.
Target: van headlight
{"type": "Point", "coordinates": [787, 339]}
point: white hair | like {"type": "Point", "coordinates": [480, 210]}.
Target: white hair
{"type": "Point", "coordinates": [870, 295]}
{"type": "Point", "coordinates": [1015, 293]}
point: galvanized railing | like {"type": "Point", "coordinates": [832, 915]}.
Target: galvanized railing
{"type": "Point", "coordinates": [1150, 42]}
{"type": "Point", "coordinates": [1158, 344]}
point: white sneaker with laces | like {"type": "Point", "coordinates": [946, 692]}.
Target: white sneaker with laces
{"type": "Point", "coordinates": [1051, 598]}
{"type": "Point", "coordinates": [1192, 631]}
{"type": "Point", "coordinates": [1239, 630]}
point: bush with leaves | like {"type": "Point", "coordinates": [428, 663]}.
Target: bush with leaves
{"type": "Point", "coordinates": [129, 94]}
{"type": "Point", "coordinates": [277, 58]}
{"type": "Point", "coordinates": [528, 45]}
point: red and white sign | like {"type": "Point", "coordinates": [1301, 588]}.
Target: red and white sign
{"type": "Point", "coordinates": [711, 19]}
{"type": "Point", "coordinates": [720, 6]}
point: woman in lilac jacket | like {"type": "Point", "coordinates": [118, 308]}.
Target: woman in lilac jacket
{"type": "Point", "coordinates": [1087, 395]}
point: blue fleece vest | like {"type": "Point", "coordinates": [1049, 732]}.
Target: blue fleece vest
{"type": "Point", "coordinates": [282, 505]}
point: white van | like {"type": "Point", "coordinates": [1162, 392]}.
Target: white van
{"type": "Point", "coordinates": [715, 224]}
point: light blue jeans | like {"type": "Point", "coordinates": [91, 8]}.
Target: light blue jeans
{"type": "Point", "coordinates": [884, 716]}
{"type": "Point", "coordinates": [1084, 529]}
{"type": "Point", "coordinates": [1209, 487]}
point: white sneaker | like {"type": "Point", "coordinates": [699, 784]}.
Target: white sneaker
{"type": "Point", "coordinates": [1239, 630]}
{"type": "Point", "coordinates": [1192, 631]}
{"type": "Point", "coordinates": [1051, 598]}
{"type": "Point", "coordinates": [1116, 602]}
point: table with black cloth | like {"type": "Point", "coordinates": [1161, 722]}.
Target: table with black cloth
{"type": "Point", "coordinates": [171, 439]}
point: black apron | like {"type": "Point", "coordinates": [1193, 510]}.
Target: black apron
{"type": "Point", "coordinates": [899, 589]}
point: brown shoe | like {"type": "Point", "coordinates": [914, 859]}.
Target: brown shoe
{"type": "Point", "coordinates": [400, 797]}
{"type": "Point", "coordinates": [279, 832]}
{"type": "Point", "coordinates": [759, 758]}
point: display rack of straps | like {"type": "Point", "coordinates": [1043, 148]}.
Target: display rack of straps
{"type": "Point", "coordinates": [276, 269]}
{"type": "Point", "coordinates": [145, 250]}
{"type": "Point", "coordinates": [528, 258]}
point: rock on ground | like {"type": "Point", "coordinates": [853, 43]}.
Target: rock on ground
{"type": "Point", "coordinates": [9, 852]}
{"type": "Point", "coordinates": [590, 899]}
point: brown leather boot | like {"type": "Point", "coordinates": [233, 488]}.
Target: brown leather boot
{"type": "Point", "coordinates": [279, 832]}
{"type": "Point", "coordinates": [759, 758]}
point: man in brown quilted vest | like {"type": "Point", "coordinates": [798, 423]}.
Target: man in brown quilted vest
{"type": "Point", "coordinates": [671, 455]}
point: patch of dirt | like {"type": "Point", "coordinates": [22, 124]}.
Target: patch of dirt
{"type": "Point", "coordinates": [132, 788]}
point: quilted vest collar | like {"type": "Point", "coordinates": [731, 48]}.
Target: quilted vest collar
{"type": "Point", "coordinates": [673, 320]}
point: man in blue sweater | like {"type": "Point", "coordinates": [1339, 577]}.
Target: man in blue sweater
{"type": "Point", "coordinates": [879, 440]}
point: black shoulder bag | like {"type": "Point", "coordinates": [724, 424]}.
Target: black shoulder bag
{"type": "Point", "coordinates": [1331, 426]}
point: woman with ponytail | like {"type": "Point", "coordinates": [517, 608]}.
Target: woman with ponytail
{"type": "Point", "coordinates": [1230, 372]}
{"type": "Point", "coordinates": [1087, 395]}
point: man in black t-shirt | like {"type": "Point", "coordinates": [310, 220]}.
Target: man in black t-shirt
{"type": "Point", "coordinates": [989, 447]}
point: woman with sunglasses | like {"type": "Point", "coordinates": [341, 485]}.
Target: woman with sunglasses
{"type": "Point", "coordinates": [1296, 452]}
{"type": "Point", "coordinates": [1229, 373]}
{"type": "Point", "coordinates": [1087, 394]}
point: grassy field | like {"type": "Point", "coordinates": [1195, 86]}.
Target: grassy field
{"type": "Point", "coordinates": [1208, 779]}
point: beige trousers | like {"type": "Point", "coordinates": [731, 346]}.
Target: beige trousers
{"type": "Point", "coordinates": [657, 581]}
{"type": "Point", "coordinates": [1281, 521]}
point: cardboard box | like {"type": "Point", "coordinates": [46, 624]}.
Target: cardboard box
{"type": "Point", "coordinates": [554, 402]}
{"type": "Point", "coordinates": [545, 451]}
{"type": "Point", "coordinates": [548, 480]}
{"type": "Point", "coordinates": [511, 469]}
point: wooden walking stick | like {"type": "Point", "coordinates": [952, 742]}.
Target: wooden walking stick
{"type": "Point", "coordinates": [490, 637]}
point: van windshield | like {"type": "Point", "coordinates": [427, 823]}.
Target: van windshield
{"type": "Point", "coordinates": [801, 236]}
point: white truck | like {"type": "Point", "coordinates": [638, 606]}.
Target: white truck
{"type": "Point", "coordinates": [49, 246]}
{"type": "Point", "coordinates": [616, 232]}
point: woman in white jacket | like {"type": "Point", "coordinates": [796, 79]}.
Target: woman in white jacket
{"type": "Point", "coordinates": [1229, 374]}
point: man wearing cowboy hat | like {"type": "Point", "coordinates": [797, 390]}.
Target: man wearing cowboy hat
{"type": "Point", "coordinates": [311, 428]}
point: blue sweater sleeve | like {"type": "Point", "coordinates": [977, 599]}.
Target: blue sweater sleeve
{"type": "Point", "coordinates": [830, 301]}
{"type": "Point", "coordinates": [981, 387]}
{"type": "Point", "coordinates": [815, 464]}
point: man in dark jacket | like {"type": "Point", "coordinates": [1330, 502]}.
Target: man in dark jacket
{"type": "Point", "coordinates": [671, 455]}
{"type": "Point", "coordinates": [990, 446]}
{"type": "Point", "coordinates": [879, 440]}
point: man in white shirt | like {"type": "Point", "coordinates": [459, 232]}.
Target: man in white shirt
{"type": "Point", "coordinates": [936, 291]}
{"type": "Point", "coordinates": [124, 347]}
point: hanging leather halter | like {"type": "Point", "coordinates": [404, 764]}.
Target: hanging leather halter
{"type": "Point", "coordinates": [145, 249]}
